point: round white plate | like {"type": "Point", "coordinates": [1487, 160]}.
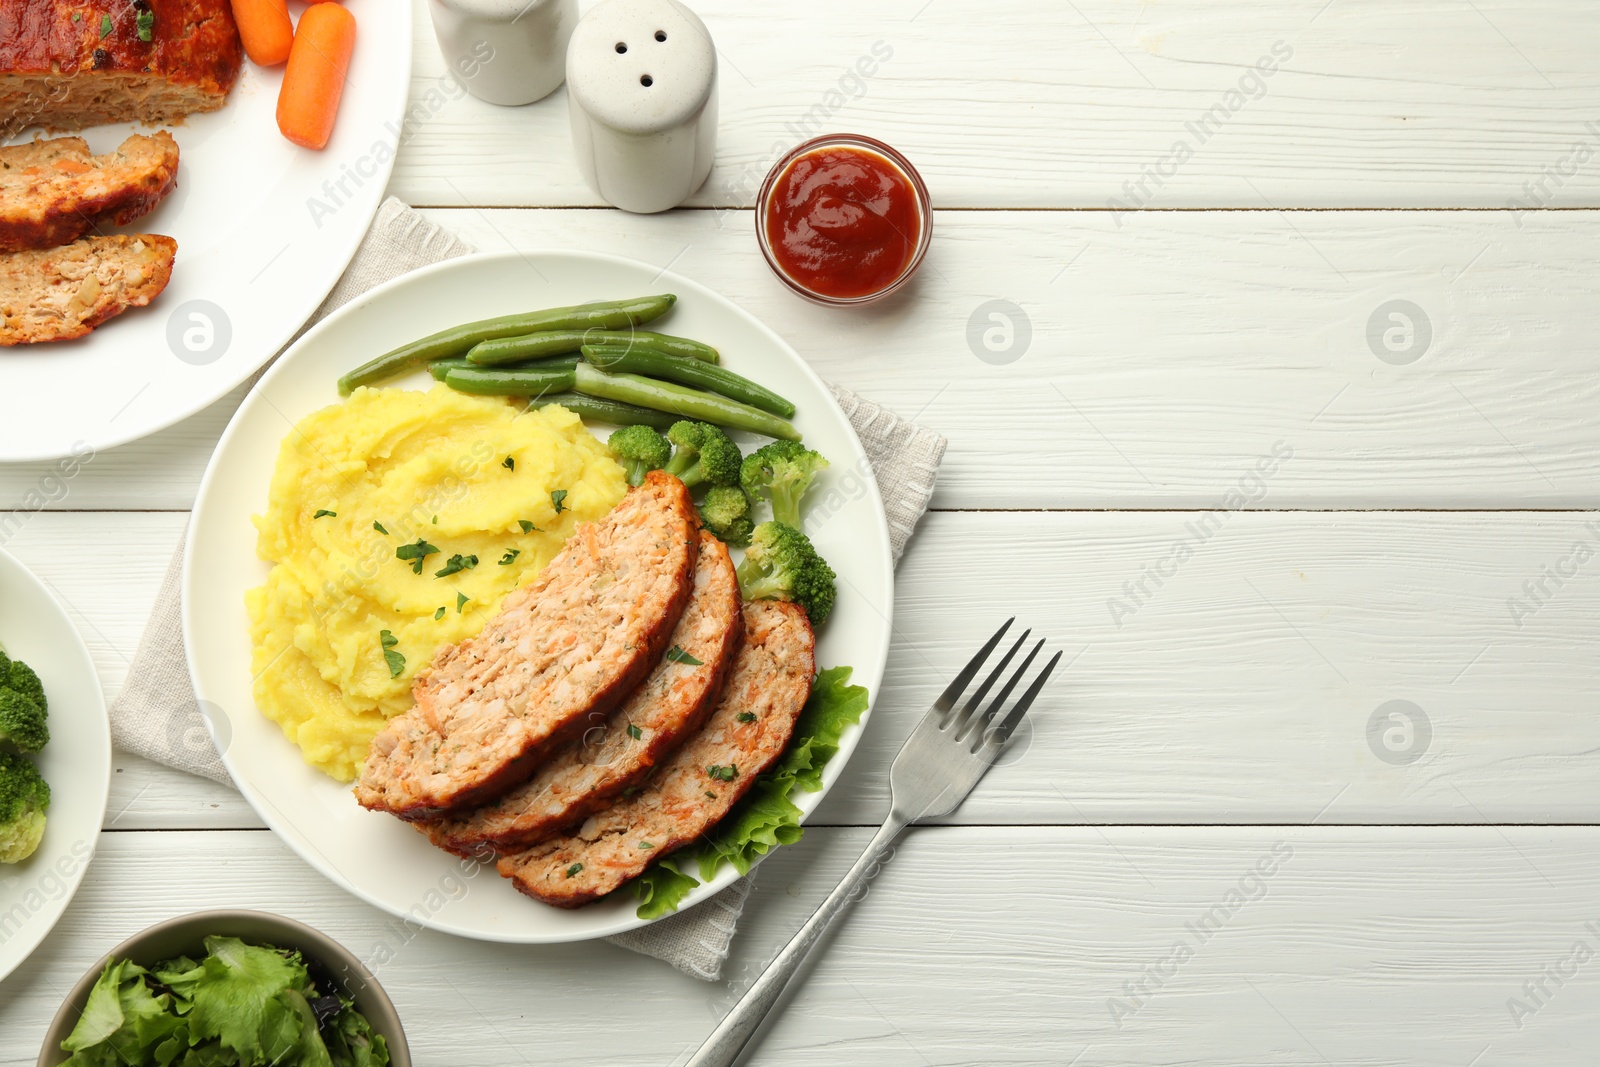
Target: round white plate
{"type": "Point", "coordinates": [264, 229]}
{"type": "Point", "coordinates": [374, 855]}
{"type": "Point", "coordinates": [77, 762]}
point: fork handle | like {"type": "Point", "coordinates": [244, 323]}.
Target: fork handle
{"type": "Point", "coordinates": [731, 1036]}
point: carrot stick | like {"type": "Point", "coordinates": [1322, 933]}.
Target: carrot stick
{"type": "Point", "coordinates": [308, 102]}
{"type": "Point", "coordinates": [265, 30]}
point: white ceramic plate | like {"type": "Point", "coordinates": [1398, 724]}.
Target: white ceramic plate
{"type": "Point", "coordinates": [374, 855]}
{"type": "Point", "coordinates": [77, 762]}
{"type": "Point", "coordinates": [263, 231]}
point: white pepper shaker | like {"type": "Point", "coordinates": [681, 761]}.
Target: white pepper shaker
{"type": "Point", "coordinates": [642, 87]}
{"type": "Point", "coordinates": [506, 51]}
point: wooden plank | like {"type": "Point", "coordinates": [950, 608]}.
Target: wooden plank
{"type": "Point", "coordinates": [1240, 689]}
{"type": "Point", "coordinates": [1304, 946]}
{"type": "Point", "coordinates": [1165, 359]}
{"type": "Point", "coordinates": [1074, 106]}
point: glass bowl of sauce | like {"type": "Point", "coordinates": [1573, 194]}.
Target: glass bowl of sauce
{"type": "Point", "coordinates": [844, 219]}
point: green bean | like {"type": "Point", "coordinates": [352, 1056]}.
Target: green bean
{"type": "Point", "coordinates": [681, 401]}
{"type": "Point", "coordinates": [687, 372]}
{"type": "Point", "coordinates": [440, 367]}
{"type": "Point", "coordinates": [456, 341]}
{"type": "Point", "coordinates": [593, 407]}
{"type": "Point", "coordinates": [554, 376]}
{"type": "Point", "coordinates": [559, 342]}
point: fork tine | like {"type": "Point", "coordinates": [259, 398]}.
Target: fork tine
{"type": "Point", "coordinates": [980, 723]}
{"type": "Point", "coordinates": [968, 710]}
{"type": "Point", "coordinates": [952, 692]}
{"type": "Point", "coordinates": [1014, 719]}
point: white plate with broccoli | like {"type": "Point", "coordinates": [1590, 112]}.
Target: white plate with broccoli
{"type": "Point", "coordinates": [55, 761]}
{"type": "Point", "coordinates": [374, 855]}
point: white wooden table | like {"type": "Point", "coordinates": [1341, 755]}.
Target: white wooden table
{"type": "Point", "coordinates": [1094, 902]}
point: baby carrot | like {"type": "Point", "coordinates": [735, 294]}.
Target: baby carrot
{"type": "Point", "coordinates": [314, 79]}
{"type": "Point", "coordinates": [265, 30]}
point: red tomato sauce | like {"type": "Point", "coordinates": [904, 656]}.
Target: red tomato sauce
{"type": "Point", "coordinates": [843, 222]}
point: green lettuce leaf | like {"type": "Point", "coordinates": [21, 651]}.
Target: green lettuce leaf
{"type": "Point", "coordinates": [766, 817]}
{"type": "Point", "coordinates": [237, 999]}
{"type": "Point", "coordinates": [121, 1018]}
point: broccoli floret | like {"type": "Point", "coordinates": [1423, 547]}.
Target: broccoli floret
{"type": "Point", "coordinates": [24, 799]}
{"type": "Point", "coordinates": [22, 722]}
{"type": "Point", "coordinates": [782, 564]}
{"type": "Point", "coordinates": [19, 676]}
{"type": "Point", "coordinates": [784, 471]}
{"type": "Point", "coordinates": [726, 512]}
{"type": "Point", "coordinates": [704, 454]}
{"type": "Point", "coordinates": [641, 449]}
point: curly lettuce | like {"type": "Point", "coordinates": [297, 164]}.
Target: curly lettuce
{"type": "Point", "coordinates": [766, 817]}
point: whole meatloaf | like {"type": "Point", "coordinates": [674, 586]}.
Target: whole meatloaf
{"type": "Point", "coordinates": [54, 192]}
{"type": "Point", "coordinates": [692, 791]}
{"type": "Point", "coordinates": [68, 64]}
{"type": "Point", "coordinates": [668, 706]}
{"type": "Point", "coordinates": [561, 654]}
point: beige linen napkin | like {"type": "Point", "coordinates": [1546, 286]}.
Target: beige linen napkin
{"type": "Point", "coordinates": [155, 714]}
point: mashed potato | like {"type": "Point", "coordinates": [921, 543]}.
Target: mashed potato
{"type": "Point", "coordinates": [465, 475]}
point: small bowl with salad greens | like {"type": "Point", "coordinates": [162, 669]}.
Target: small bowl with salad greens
{"type": "Point", "coordinates": [227, 989]}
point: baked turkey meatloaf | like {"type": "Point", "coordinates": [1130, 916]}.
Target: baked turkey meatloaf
{"type": "Point", "coordinates": [571, 645]}
{"type": "Point", "coordinates": [668, 706]}
{"type": "Point", "coordinates": [53, 192]}
{"type": "Point", "coordinates": [68, 64]}
{"type": "Point", "coordinates": [56, 294]}
{"type": "Point", "coordinates": [695, 789]}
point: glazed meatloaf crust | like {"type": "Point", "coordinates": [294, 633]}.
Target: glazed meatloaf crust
{"type": "Point", "coordinates": [572, 644]}
{"type": "Point", "coordinates": [56, 294]}
{"type": "Point", "coordinates": [53, 192]}
{"type": "Point", "coordinates": [68, 64]}
{"type": "Point", "coordinates": [748, 730]}
{"type": "Point", "coordinates": [668, 706]}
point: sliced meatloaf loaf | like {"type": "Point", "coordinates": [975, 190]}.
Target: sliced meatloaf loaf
{"type": "Point", "coordinates": [68, 64]}
{"type": "Point", "coordinates": [571, 645]}
{"type": "Point", "coordinates": [746, 733]}
{"type": "Point", "coordinates": [56, 294]}
{"type": "Point", "coordinates": [668, 706]}
{"type": "Point", "coordinates": [53, 192]}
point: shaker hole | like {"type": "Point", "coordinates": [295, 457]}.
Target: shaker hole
{"type": "Point", "coordinates": [647, 81]}
{"type": "Point", "coordinates": [661, 35]}
{"type": "Point", "coordinates": [621, 48]}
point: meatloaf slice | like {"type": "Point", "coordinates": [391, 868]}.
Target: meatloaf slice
{"type": "Point", "coordinates": [572, 644]}
{"type": "Point", "coordinates": [55, 294]}
{"type": "Point", "coordinates": [746, 733]}
{"type": "Point", "coordinates": [668, 706]}
{"type": "Point", "coordinates": [68, 64]}
{"type": "Point", "coordinates": [53, 192]}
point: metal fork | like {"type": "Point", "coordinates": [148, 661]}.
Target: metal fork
{"type": "Point", "coordinates": [938, 766]}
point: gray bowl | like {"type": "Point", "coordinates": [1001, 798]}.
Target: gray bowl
{"type": "Point", "coordinates": [186, 935]}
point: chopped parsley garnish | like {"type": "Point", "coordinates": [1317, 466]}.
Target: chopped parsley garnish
{"type": "Point", "coordinates": [528, 527]}
{"type": "Point", "coordinates": [558, 498]}
{"type": "Point", "coordinates": [510, 463]}
{"type": "Point", "coordinates": [438, 615]}
{"type": "Point", "coordinates": [634, 732]}
{"type": "Point", "coordinates": [324, 513]}
{"type": "Point", "coordinates": [436, 520]}
{"type": "Point", "coordinates": [646, 844]}
{"type": "Point", "coordinates": [747, 716]}
{"type": "Point", "coordinates": [145, 23]}
{"type": "Point", "coordinates": [105, 26]}
{"type": "Point", "coordinates": [510, 557]}
{"type": "Point", "coordinates": [395, 660]}
{"type": "Point", "coordinates": [710, 794]}
{"type": "Point", "coordinates": [416, 553]}
{"type": "Point", "coordinates": [677, 655]}
{"type": "Point", "coordinates": [456, 564]}
{"type": "Point", "coordinates": [574, 869]}
{"type": "Point", "coordinates": [723, 774]}
{"type": "Point", "coordinates": [628, 792]}
{"type": "Point", "coordinates": [461, 602]}
{"type": "Point", "coordinates": [379, 527]}
{"type": "Point", "coordinates": [77, 16]}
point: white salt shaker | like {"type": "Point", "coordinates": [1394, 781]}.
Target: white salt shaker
{"type": "Point", "coordinates": [506, 51]}
{"type": "Point", "coordinates": [642, 87]}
